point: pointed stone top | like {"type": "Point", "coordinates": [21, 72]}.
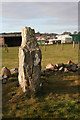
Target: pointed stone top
{"type": "Point", "coordinates": [28, 35]}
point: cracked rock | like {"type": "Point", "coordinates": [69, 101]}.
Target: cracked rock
{"type": "Point", "coordinates": [29, 61]}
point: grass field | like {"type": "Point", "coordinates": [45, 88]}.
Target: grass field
{"type": "Point", "coordinates": [58, 97]}
{"type": "Point", "coordinates": [51, 55]}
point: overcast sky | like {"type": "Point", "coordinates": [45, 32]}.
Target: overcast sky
{"type": "Point", "coordinates": [49, 17]}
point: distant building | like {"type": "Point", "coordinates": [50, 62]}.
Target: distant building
{"type": "Point", "coordinates": [11, 39]}
{"type": "Point", "coordinates": [64, 38]}
{"type": "Point", "coordinates": [47, 40]}
{"type": "Point", "coordinates": [15, 39]}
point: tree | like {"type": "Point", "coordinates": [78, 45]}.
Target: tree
{"type": "Point", "coordinates": [75, 32]}
{"type": "Point", "coordinates": [65, 33]}
{"type": "Point", "coordinates": [79, 32]}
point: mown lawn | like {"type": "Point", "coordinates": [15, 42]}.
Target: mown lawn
{"type": "Point", "coordinates": [51, 55]}
{"type": "Point", "coordinates": [10, 59]}
{"type": "Point", "coordinates": [57, 98]}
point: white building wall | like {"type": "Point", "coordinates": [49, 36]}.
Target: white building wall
{"type": "Point", "coordinates": [64, 38]}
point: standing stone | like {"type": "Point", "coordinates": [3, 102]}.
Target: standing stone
{"type": "Point", "coordinates": [29, 61]}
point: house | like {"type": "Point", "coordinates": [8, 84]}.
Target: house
{"type": "Point", "coordinates": [11, 39]}
{"type": "Point", "coordinates": [64, 38]}
{"type": "Point", "coordinates": [53, 40]}
{"type": "Point", "coordinates": [41, 40]}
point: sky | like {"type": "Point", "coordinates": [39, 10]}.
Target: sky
{"type": "Point", "coordinates": [44, 17]}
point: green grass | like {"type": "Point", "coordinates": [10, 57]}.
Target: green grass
{"type": "Point", "coordinates": [57, 55]}
{"type": "Point", "coordinates": [58, 97]}
{"type": "Point", "coordinates": [10, 59]}
{"type": "Point", "coordinates": [51, 55]}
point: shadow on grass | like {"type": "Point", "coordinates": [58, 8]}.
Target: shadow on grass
{"type": "Point", "coordinates": [14, 100]}
{"type": "Point", "coordinates": [62, 83]}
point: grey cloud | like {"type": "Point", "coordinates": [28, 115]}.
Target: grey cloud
{"type": "Point", "coordinates": [65, 13]}
{"type": "Point", "coordinates": [50, 13]}
{"type": "Point", "coordinates": [60, 9]}
{"type": "Point", "coordinates": [22, 10]}
{"type": "Point", "coordinates": [40, 9]}
{"type": "Point", "coordinates": [61, 29]}
{"type": "Point", "coordinates": [40, 0]}
{"type": "Point", "coordinates": [62, 22]}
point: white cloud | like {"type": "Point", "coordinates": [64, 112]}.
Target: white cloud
{"type": "Point", "coordinates": [19, 10]}
{"type": "Point", "coordinates": [40, 0]}
{"type": "Point", "coordinates": [38, 14]}
{"type": "Point", "coordinates": [38, 10]}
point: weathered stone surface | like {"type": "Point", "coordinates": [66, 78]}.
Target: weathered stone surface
{"type": "Point", "coordinates": [69, 62]}
{"type": "Point", "coordinates": [78, 65]}
{"type": "Point", "coordinates": [74, 67]}
{"type": "Point", "coordinates": [14, 71]}
{"type": "Point", "coordinates": [65, 70]}
{"type": "Point", "coordinates": [67, 66]}
{"type": "Point", "coordinates": [29, 61]}
{"type": "Point", "coordinates": [5, 72]}
{"type": "Point", "coordinates": [61, 69]}
{"type": "Point", "coordinates": [50, 66]}
{"type": "Point", "coordinates": [59, 65]}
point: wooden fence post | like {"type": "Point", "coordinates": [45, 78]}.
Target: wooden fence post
{"type": "Point", "coordinates": [57, 44]}
{"type": "Point", "coordinates": [6, 47]}
{"type": "Point", "coordinates": [73, 44]}
{"type": "Point", "coordinates": [62, 46]}
{"type": "Point", "coordinates": [44, 46]}
{"type": "Point", "coordinates": [78, 44]}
